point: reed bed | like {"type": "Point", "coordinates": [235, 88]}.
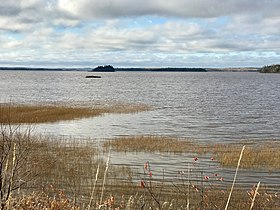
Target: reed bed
{"type": "Point", "coordinates": [19, 113]}
{"type": "Point", "coordinates": [69, 174]}
{"type": "Point", "coordinates": [149, 144]}
{"type": "Point", "coordinates": [264, 155]}
{"type": "Point", "coordinates": [257, 155]}
{"type": "Point", "coordinates": [66, 172]}
{"type": "Point", "coordinates": [56, 173]}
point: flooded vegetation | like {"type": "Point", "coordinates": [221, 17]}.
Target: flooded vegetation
{"type": "Point", "coordinates": [63, 173]}
{"type": "Point", "coordinates": [261, 155]}
{"type": "Point", "coordinates": [21, 113]}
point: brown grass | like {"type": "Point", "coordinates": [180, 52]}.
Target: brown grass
{"type": "Point", "coordinates": [70, 166]}
{"type": "Point", "coordinates": [16, 113]}
{"type": "Point", "coordinates": [52, 199]}
{"type": "Point", "coordinates": [137, 198]}
{"type": "Point", "coordinates": [149, 144]}
{"type": "Point", "coordinates": [256, 155]}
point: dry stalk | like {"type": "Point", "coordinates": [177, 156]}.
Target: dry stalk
{"type": "Point", "coordinates": [104, 178]}
{"type": "Point", "coordinates": [92, 192]}
{"type": "Point", "coordinates": [189, 183]}
{"type": "Point", "coordinates": [235, 175]}
{"type": "Point", "coordinates": [12, 171]}
{"type": "Point", "coordinates": [255, 194]}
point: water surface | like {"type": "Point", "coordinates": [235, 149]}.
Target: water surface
{"type": "Point", "coordinates": [212, 106]}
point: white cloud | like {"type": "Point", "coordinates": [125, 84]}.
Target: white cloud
{"type": "Point", "coordinates": [153, 32]}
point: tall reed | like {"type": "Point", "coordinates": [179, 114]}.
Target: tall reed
{"type": "Point", "coordinates": [255, 194]}
{"type": "Point", "coordinates": [235, 175]}
{"type": "Point", "coordinates": [104, 179]}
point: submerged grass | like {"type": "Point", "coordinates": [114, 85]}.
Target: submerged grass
{"type": "Point", "coordinates": [149, 144]}
{"type": "Point", "coordinates": [257, 155]}
{"type": "Point", "coordinates": [18, 113]}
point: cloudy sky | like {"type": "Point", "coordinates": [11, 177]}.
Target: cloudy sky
{"type": "Point", "coordinates": [136, 33]}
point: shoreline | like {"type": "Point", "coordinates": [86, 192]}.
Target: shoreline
{"type": "Point", "coordinates": [137, 69]}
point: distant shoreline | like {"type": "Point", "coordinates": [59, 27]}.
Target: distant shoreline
{"type": "Point", "coordinates": [42, 69]}
{"type": "Point", "coordinates": [237, 69]}
{"type": "Point", "coordinates": [165, 69]}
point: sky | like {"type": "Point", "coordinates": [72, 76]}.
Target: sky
{"type": "Point", "coordinates": [139, 33]}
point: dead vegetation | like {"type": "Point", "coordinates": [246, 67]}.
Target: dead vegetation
{"type": "Point", "coordinates": [257, 155]}
{"type": "Point", "coordinates": [19, 113]}
{"type": "Point", "coordinates": [149, 144]}
{"type": "Point", "coordinates": [66, 174]}
{"type": "Point", "coordinates": [55, 173]}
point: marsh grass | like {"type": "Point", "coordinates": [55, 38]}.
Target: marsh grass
{"type": "Point", "coordinates": [71, 166]}
{"type": "Point", "coordinates": [19, 113]}
{"type": "Point", "coordinates": [257, 155]}
{"type": "Point", "coordinates": [149, 144]}
{"type": "Point", "coordinates": [64, 172]}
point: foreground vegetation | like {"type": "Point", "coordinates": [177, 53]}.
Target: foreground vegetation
{"type": "Point", "coordinates": [38, 172]}
{"type": "Point", "coordinates": [50, 173]}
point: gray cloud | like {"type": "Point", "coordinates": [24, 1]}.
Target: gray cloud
{"type": "Point", "coordinates": [9, 8]}
{"type": "Point", "coordinates": [180, 8]}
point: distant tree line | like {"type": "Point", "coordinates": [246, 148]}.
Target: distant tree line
{"type": "Point", "coordinates": [271, 69]}
{"type": "Point", "coordinates": [168, 69]}
{"type": "Point", "coordinates": [107, 68]}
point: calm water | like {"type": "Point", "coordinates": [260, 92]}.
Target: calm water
{"type": "Point", "coordinates": [213, 106]}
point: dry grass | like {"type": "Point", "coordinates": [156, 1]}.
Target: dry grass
{"type": "Point", "coordinates": [257, 155]}
{"type": "Point", "coordinates": [139, 199]}
{"type": "Point", "coordinates": [149, 144]}
{"type": "Point", "coordinates": [50, 199]}
{"type": "Point", "coordinates": [262, 155]}
{"type": "Point", "coordinates": [71, 165]}
{"type": "Point", "coordinates": [16, 113]}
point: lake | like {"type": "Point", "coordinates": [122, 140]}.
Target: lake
{"type": "Point", "coordinates": [212, 106]}
{"type": "Point", "coordinates": [207, 107]}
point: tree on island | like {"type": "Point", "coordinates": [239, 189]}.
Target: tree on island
{"type": "Point", "coordinates": [107, 68]}
{"type": "Point", "coordinates": [271, 69]}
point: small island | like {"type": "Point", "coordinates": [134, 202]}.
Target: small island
{"type": "Point", "coordinates": [107, 68]}
{"type": "Point", "coordinates": [271, 69]}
